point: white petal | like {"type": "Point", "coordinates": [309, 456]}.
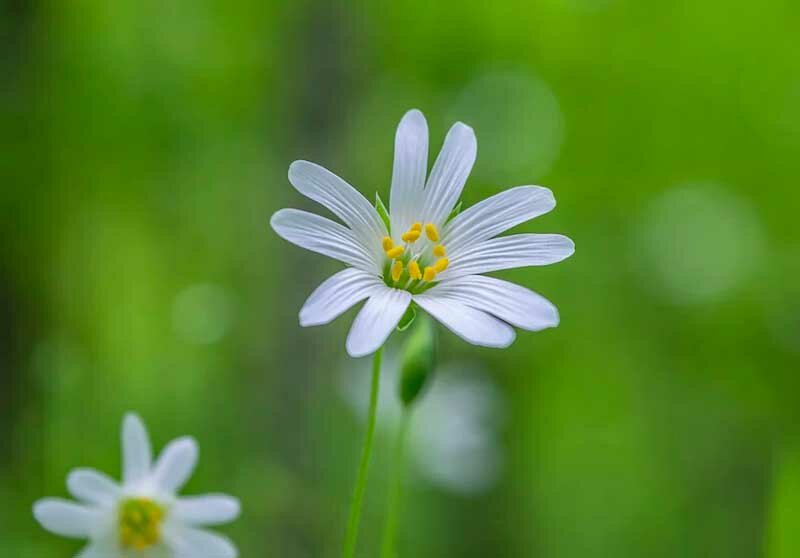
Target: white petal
{"type": "Point", "coordinates": [197, 543]}
{"type": "Point", "coordinates": [347, 203]}
{"type": "Point", "coordinates": [66, 518]}
{"type": "Point", "coordinates": [98, 549]}
{"type": "Point", "coordinates": [497, 214]}
{"type": "Point", "coordinates": [508, 252]}
{"type": "Point", "coordinates": [175, 464]}
{"type": "Point", "coordinates": [92, 486]}
{"type": "Point", "coordinates": [211, 509]}
{"type": "Point", "coordinates": [449, 173]}
{"type": "Point", "coordinates": [474, 326]}
{"type": "Point", "coordinates": [326, 237]}
{"type": "Point", "coordinates": [509, 302]}
{"type": "Point", "coordinates": [376, 320]}
{"type": "Point", "coordinates": [136, 451]}
{"type": "Point", "coordinates": [408, 172]}
{"type": "Point", "coordinates": [336, 295]}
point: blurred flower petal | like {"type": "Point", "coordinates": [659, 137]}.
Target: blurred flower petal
{"type": "Point", "coordinates": [136, 452]}
{"type": "Point", "coordinates": [92, 486]}
{"type": "Point", "coordinates": [66, 518]}
{"type": "Point", "coordinates": [211, 509]}
{"type": "Point", "coordinates": [175, 464]}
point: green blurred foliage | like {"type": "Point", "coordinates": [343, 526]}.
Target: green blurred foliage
{"type": "Point", "coordinates": [145, 145]}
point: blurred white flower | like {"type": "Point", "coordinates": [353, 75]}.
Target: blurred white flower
{"type": "Point", "coordinates": [426, 257]}
{"type": "Point", "coordinates": [454, 435]}
{"type": "Point", "coordinates": [143, 517]}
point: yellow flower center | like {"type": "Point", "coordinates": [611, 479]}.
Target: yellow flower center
{"type": "Point", "coordinates": [410, 269]}
{"type": "Point", "coordinates": [140, 522]}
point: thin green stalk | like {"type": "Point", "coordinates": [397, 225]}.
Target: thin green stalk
{"type": "Point", "coordinates": [351, 536]}
{"type": "Point", "coordinates": [394, 498]}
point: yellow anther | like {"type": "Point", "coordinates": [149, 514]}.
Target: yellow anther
{"type": "Point", "coordinates": [441, 264]}
{"type": "Point", "coordinates": [413, 270]}
{"type": "Point", "coordinates": [439, 251]}
{"type": "Point", "coordinates": [410, 236]}
{"type": "Point", "coordinates": [430, 274]}
{"type": "Point", "coordinates": [387, 243]}
{"type": "Point", "coordinates": [432, 232]}
{"type": "Point", "coordinates": [416, 227]}
{"type": "Point", "coordinates": [395, 252]}
{"type": "Point", "coordinates": [140, 522]}
{"type": "Point", "coordinates": [397, 270]}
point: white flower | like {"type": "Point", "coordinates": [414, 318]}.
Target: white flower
{"type": "Point", "coordinates": [143, 517]}
{"type": "Point", "coordinates": [426, 258]}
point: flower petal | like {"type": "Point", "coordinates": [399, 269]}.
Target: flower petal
{"type": "Point", "coordinates": [376, 320]}
{"type": "Point", "coordinates": [66, 518]}
{"type": "Point", "coordinates": [509, 302]}
{"type": "Point", "coordinates": [211, 509]}
{"type": "Point", "coordinates": [92, 487]}
{"type": "Point", "coordinates": [497, 214]}
{"type": "Point", "coordinates": [98, 549]}
{"type": "Point", "coordinates": [336, 295]}
{"type": "Point", "coordinates": [198, 543]}
{"type": "Point", "coordinates": [175, 464]}
{"type": "Point", "coordinates": [408, 172]}
{"type": "Point", "coordinates": [474, 326]}
{"type": "Point", "coordinates": [347, 203]}
{"type": "Point", "coordinates": [449, 173]}
{"type": "Point", "coordinates": [136, 451]}
{"type": "Point", "coordinates": [321, 235]}
{"type": "Point", "coordinates": [508, 252]}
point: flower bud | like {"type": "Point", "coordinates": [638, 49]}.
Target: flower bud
{"type": "Point", "coordinates": [418, 358]}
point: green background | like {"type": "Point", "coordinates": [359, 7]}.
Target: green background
{"type": "Point", "coordinates": [145, 145]}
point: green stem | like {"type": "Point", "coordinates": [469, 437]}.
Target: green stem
{"type": "Point", "coordinates": [351, 536]}
{"type": "Point", "coordinates": [393, 500]}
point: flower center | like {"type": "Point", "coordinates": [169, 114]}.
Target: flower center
{"type": "Point", "coordinates": [140, 523]}
{"type": "Point", "coordinates": [411, 266]}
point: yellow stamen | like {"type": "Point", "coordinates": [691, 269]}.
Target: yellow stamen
{"type": "Point", "coordinates": [413, 270]}
{"type": "Point", "coordinates": [416, 227]}
{"type": "Point", "coordinates": [439, 251]}
{"type": "Point", "coordinates": [140, 522]}
{"type": "Point", "coordinates": [430, 274]}
{"type": "Point", "coordinates": [387, 243]}
{"type": "Point", "coordinates": [441, 264]}
{"type": "Point", "coordinates": [432, 232]}
{"type": "Point", "coordinates": [410, 236]}
{"type": "Point", "coordinates": [395, 252]}
{"type": "Point", "coordinates": [397, 270]}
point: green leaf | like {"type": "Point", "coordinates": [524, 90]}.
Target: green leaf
{"type": "Point", "coordinates": [407, 319]}
{"type": "Point", "coordinates": [456, 211]}
{"type": "Point", "coordinates": [382, 211]}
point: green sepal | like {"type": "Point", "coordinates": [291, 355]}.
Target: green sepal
{"type": "Point", "coordinates": [455, 212]}
{"type": "Point", "coordinates": [408, 318]}
{"type": "Point", "coordinates": [382, 211]}
{"type": "Point", "coordinates": [418, 359]}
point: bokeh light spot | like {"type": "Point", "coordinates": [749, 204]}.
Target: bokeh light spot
{"type": "Point", "coordinates": [202, 313]}
{"type": "Point", "coordinates": [518, 122]}
{"type": "Point", "coordinates": [698, 242]}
